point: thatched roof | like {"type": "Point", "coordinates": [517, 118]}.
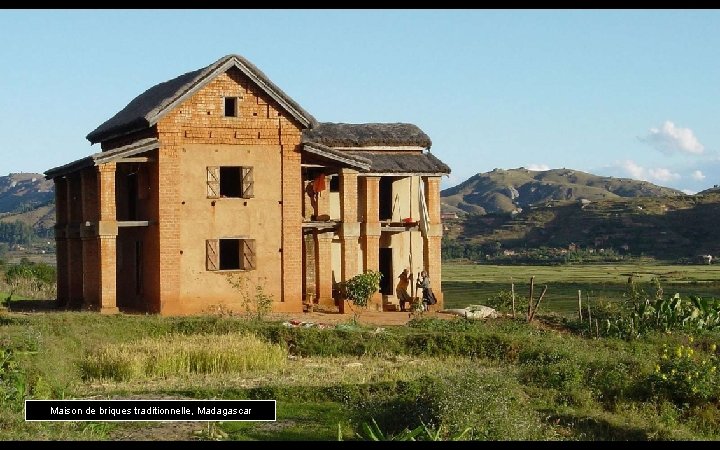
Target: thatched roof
{"type": "Point", "coordinates": [402, 162]}
{"type": "Point", "coordinates": [147, 108]}
{"type": "Point", "coordinates": [367, 135]}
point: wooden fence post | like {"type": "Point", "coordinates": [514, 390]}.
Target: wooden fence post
{"type": "Point", "coordinates": [512, 290]}
{"type": "Point", "coordinates": [580, 304]}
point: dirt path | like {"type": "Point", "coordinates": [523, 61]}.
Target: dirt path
{"type": "Point", "coordinates": [377, 318]}
{"type": "Point", "coordinates": [374, 318]}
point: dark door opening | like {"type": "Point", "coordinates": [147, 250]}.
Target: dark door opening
{"type": "Point", "coordinates": [385, 265]}
{"type": "Point", "coordinates": [138, 267]}
{"type": "Point", "coordinates": [132, 195]}
{"type": "Point", "coordinates": [385, 199]}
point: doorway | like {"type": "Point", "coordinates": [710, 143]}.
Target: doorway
{"type": "Point", "coordinates": [386, 269]}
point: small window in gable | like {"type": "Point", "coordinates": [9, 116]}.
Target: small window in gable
{"type": "Point", "coordinates": [230, 182]}
{"type": "Point", "coordinates": [231, 106]}
{"type": "Point", "coordinates": [230, 254]}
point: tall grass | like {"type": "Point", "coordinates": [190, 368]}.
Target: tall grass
{"type": "Point", "coordinates": [182, 355]}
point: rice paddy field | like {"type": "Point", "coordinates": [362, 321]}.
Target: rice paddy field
{"type": "Point", "coordinates": [472, 284]}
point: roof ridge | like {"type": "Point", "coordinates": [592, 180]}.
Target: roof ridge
{"type": "Point", "coordinates": [147, 108]}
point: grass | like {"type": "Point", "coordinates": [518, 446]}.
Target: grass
{"type": "Point", "coordinates": [506, 379]}
{"type": "Point", "coordinates": [182, 356]}
{"type": "Point", "coordinates": [296, 421]}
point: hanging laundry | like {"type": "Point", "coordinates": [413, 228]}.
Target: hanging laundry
{"type": "Point", "coordinates": [319, 183]}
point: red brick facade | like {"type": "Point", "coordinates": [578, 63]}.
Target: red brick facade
{"type": "Point", "coordinates": [136, 232]}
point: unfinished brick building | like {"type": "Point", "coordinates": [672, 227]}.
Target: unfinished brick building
{"type": "Point", "coordinates": [218, 172]}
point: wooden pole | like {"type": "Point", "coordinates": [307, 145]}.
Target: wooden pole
{"type": "Point", "coordinates": [512, 290]}
{"type": "Point", "coordinates": [597, 329]}
{"type": "Point", "coordinates": [530, 298]}
{"type": "Point", "coordinates": [589, 315]}
{"type": "Point", "coordinates": [537, 304]}
{"type": "Point", "coordinates": [580, 304]}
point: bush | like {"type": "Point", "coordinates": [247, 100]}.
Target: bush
{"type": "Point", "coordinates": [491, 404]}
{"type": "Point", "coordinates": [684, 377]}
{"type": "Point", "coordinates": [361, 287]}
{"type": "Point", "coordinates": [34, 280]}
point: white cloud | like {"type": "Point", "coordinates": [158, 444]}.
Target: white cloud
{"type": "Point", "coordinates": [689, 192]}
{"type": "Point", "coordinates": [653, 175]}
{"type": "Point", "coordinates": [669, 139]}
{"type": "Point", "coordinates": [538, 167]}
{"type": "Point", "coordinates": [697, 175]}
{"type": "Point", "coordinates": [661, 174]}
{"type": "Point", "coordinates": [633, 170]}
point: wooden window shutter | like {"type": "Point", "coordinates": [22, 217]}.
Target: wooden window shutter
{"type": "Point", "coordinates": [212, 257]}
{"type": "Point", "coordinates": [213, 182]}
{"type": "Point", "coordinates": [247, 260]}
{"type": "Point", "coordinates": [248, 182]}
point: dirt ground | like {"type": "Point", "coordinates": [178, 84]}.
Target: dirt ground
{"type": "Point", "coordinates": [375, 318]}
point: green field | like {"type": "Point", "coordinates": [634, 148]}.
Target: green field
{"type": "Point", "coordinates": [473, 284]}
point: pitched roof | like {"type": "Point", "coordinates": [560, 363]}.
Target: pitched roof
{"type": "Point", "coordinates": [402, 162]}
{"type": "Point", "coordinates": [337, 156]}
{"type": "Point", "coordinates": [96, 159]}
{"type": "Point", "coordinates": [349, 135]}
{"type": "Point", "coordinates": [147, 108]}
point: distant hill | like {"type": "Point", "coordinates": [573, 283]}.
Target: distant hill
{"type": "Point", "coordinates": [29, 198]}
{"type": "Point", "coordinates": [668, 228]}
{"type": "Point", "coordinates": [512, 190]}
{"type": "Point", "coordinates": [24, 191]}
{"type": "Point", "coordinates": [713, 190]}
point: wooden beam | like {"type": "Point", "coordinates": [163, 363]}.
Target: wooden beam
{"type": "Point", "coordinates": [134, 159]}
{"type": "Point", "coordinates": [133, 223]}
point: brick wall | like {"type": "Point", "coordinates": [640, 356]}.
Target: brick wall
{"type": "Point", "coordinates": [200, 120]}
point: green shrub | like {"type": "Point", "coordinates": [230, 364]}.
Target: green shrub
{"type": "Point", "coordinates": [613, 381]}
{"type": "Point", "coordinates": [684, 377]}
{"type": "Point", "coordinates": [361, 287]}
{"type": "Point", "coordinates": [491, 404]}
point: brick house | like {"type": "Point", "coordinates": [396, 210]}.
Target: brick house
{"type": "Point", "coordinates": [218, 172]}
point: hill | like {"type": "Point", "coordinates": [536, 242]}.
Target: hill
{"type": "Point", "coordinates": [512, 190]}
{"type": "Point", "coordinates": [678, 227]}
{"type": "Point", "coordinates": [28, 198]}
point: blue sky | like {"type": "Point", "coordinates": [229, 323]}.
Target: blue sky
{"type": "Point", "coordinates": [625, 93]}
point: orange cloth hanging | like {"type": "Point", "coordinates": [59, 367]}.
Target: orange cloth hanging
{"type": "Point", "coordinates": [319, 183]}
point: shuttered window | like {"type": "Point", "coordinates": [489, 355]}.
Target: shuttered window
{"type": "Point", "coordinates": [230, 254]}
{"type": "Point", "coordinates": [230, 182]}
{"type": "Point", "coordinates": [247, 250]}
{"type": "Point", "coordinates": [213, 182]}
{"type": "Point", "coordinates": [248, 182]}
{"type": "Point", "coordinates": [212, 258]}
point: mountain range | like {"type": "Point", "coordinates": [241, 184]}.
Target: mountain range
{"type": "Point", "coordinates": [512, 190]}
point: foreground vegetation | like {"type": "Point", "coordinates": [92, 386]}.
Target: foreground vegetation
{"type": "Point", "coordinates": [504, 379]}
{"type": "Point", "coordinates": [642, 366]}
